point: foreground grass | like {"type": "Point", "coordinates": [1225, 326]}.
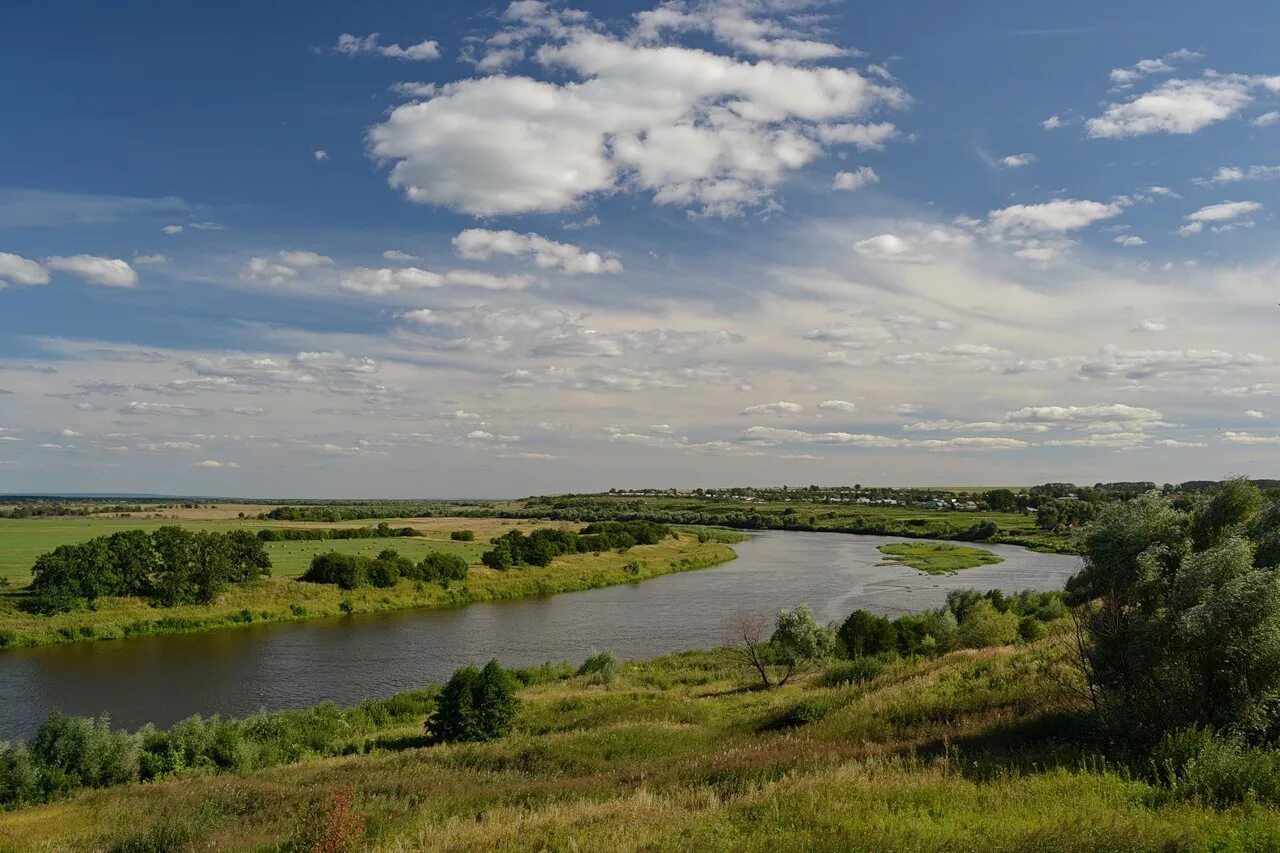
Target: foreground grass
{"type": "Point", "coordinates": [935, 559]}
{"type": "Point", "coordinates": [279, 599]}
{"type": "Point", "coordinates": [678, 754]}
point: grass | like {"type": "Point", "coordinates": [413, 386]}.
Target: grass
{"type": "Point", "coordinates": [937, 559]}
{"type": "Point", "coordinates": [281, 599]}
{"type": "Point", "coordinates": [971, 751]}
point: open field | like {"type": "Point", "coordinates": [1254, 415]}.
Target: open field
{"type": "Point", "coordinates": [280, 598]}
{"type": "Point", "coordinates": [977, 750]}
{"type": "Point", "coordinates": [23, 540]}
{"type": "Point", "coordinates": [937, 559]}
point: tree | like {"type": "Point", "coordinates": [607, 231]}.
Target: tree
{"type": "Point", "coordinates": [864, 633]}
{"type": "Point", "coordinates": [476, 705]}
{"type": "Point", "coordinates": [798, 639]}
{"type": "Point", "coordinates": [174, 581]}
{"type": "Point", "coordinates": [985, 626]}
{"type": "Point", "coordinates": [248, 555]}
{"type": "Point", "coordinates": [751, 630]}
{"type": "Point", "coordinates": [1001, 500]}
{"type": "Point", "coordinates": [1183, 627]}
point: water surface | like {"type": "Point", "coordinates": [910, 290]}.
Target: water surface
{"type": "Point", "coordinates": [163, 679]}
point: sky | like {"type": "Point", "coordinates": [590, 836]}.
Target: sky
{"type": "Point", "coordinates": [453, 250]}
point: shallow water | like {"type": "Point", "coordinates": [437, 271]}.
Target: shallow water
{"type": "Point", "coordinates": [163, 679]}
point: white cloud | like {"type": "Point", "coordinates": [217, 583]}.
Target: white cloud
{"type": "Point", "coordinates": [379, 282]}
{"type": "Point", "coordinates": [1233, 174]}
{"type": "Point", "coordinates": [1254, 413]}
{"type": "Point", "coordinates": [1267, 119]}
{"type": "Point", "coordinates": [1057, 216]}
{"type": "Point", "coordinates": [304, 260]}
{"type": "Point", "coordinates": [836, 406]}
{"type": "Point", "coordinates": [1180, 106]}
{"type": "Point", "coordinates": [17, 270]}
{"type": "Point", "coordinates": [351, 45]}
{"type": "Point", "coordinates": [111, 272]}
{"type": "Point", "coordinates": [1226, 211]}
{"type": "Point", "coordinates": [172, 229]}
{"type": "Point", "coordinates": [136, 408]}
{"type": "Point", "coordinates": [1086, 417]}
{"type": "Point", "coordinates": [1173, 442]}
{"type": "Point", "coordinates": [858, 178]}
{"type": "Point", "coordinates": [212, 464]}
{"type": "Point", "coordinates": [1125, 77]}
{"type": "Point", "coordinates": [263, 270]}
{"type": "Point", "coordinates": [1053, 122]}
{"type": "Point", "coordinates": [1249, 438]}
{"type": "Point", "coordinates": [774, 436]}
{"type": "Point", "coordinates": [694, 128]}
{"type": "Point", "coordinates": [890, 248]}
{"type": "Point", "coordinates": [1141, 364]}
{"type": "Point", "coordinates": [1129, 240]}
{"type": "Point", "coordinates": [779, 408]}
{"type": "Point", "coordinates": [150, 260]}
{"type": "Point", "coordinates": [737, 23]}
{"type": "Point", "coordinates": [1152, 324]}
{"type": "Point", "coordinates": [320, 155]}
{"type": "Point", "coordinates": [399, 256]}
{"type": "Point", "coordinates": [1017, 161]}
{"type": "Point", "coordinates": [480, 244]}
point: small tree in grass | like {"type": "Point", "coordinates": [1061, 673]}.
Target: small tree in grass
{"type": "Point", "coordinates": [476, 705]}
{"type": "Point", "coordinates": [798, 639]}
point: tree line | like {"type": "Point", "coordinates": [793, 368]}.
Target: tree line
{"type": "Point", "coordinates": [320, 534]}
{"type": "Point", "coordinates": [171, 565]}
{"type": "Point", "coordinates": [539, 548]}
{"type": "Point", "coordinates": [350, 571]}
{"type": "Point", "coordinates": [969, 620]}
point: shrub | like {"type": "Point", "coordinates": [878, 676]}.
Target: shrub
{"type": "Point", "coordinates": [852, 672]}
{"type": "Point", "coordinates": [601, 668]}
{"type": "Point", "coordinates": [985, 626]}
{"type": "Point", "coordinates": [439, 567]}
{"type": "Point", "coordinates": [462, 536]}
{"type": "Point", "coordinates": [1030, 628]}
{"type": "Point", "coordinates": [1221, 770]}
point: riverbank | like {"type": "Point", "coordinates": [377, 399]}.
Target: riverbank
{"type": "Point", "coordinates": [278, 599]}
{"type": "Point", "coordinates": [973, 750]}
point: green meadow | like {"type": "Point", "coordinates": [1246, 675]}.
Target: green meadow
{"type": "Point", "coordinates": [937, 559]}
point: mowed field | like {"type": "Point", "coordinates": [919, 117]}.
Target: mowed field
{"type": "Point", "coordinates": [23, 540]}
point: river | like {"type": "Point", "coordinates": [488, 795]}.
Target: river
{"type": "Point", "coordinates": [237, 671]}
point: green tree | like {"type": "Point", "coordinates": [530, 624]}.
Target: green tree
{"type": "Point", "coordinates": [1001, 500]}
{"type": "Point", "coordinates": [864, 633]}
{"type": "Point", "coordinates": [476, 705]}
{"type": "Point", "coordinates": [798, 640]}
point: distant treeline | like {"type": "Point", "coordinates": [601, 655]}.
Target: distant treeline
{"type": "Point", "coordinates": [320, 534]}
{"type": "Point", "coordinates": [349, 571]}
{"type": "Point", "coordinates": [542, 546]}
{"type": "Point", "coordinates": [171, 565]}
{"type": "Point", "coordinates": [355, 512]}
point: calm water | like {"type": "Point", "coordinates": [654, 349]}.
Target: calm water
{"type": "Point", "coordinates": [238, 671]}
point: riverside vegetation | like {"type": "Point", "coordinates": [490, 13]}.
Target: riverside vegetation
{"type": "Point", "coordinates": [937, 559]}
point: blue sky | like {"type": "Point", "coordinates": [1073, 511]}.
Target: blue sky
{"type": "Point", "coordinates": [437, 249]}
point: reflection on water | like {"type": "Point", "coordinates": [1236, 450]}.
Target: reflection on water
{"type": "Point", "coordinates": [238, 671]}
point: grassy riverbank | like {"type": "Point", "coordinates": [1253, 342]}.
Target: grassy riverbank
{"type": "Point", "coordinates": [976, 750]}
{"type": "Point", "coordinates": [935, 559]}
{"type": "Point", "coordinates": [281, 599]}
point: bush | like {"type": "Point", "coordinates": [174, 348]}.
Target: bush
{"type": "Point", "coordinates": [439, 567]}
{"type": "Point", "coordinates": [462, 536]}
{"type": "Point", "coordinates": [852, 672]}
{"type": "Point", "coordinates": [1202, 766]}
{"type": "Point", "coordinates": [476, 705]}
{"type": "Point", "coordinates": [983, 625]}
{"type": "Point", "coordinates": [864, 633]}
{"type": "Point", "coordinates": [601, 668]}
{"type": "Point", "coordinates": [1030, 629]}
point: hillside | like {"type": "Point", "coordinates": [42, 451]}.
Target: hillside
{"type": "Point", "coordinates": [973, 750]}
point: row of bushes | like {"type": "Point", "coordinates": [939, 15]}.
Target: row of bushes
{"type": "Point", "coordinates": [172, 565]}
{"type": "Point", "coordinates": [540, 547]}
{"type": "Point", "coordinates": [69, 753]}
{"type": "Point", "coordinates": [969, 620]}
{"type": "Point", "coordinates": [354, 512]}
{"type": "Point", "coordinates": [350, 571]}
{"type": "Point", "coordinates": [320, 534]}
